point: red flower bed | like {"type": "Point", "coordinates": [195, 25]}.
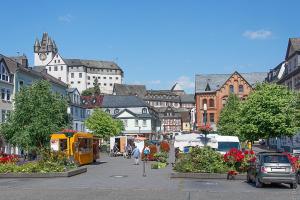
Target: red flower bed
{"type": "Point", "coordinates": [239, 161]}
{"type": "Point", "coordinates": [5, 158]}
{"type": "Point", "coordinates": [293, 159]}
{"type": "Point", "coordinates": [205, 128]}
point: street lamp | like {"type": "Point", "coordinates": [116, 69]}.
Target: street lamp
{"type": "Point", "coordinates": [205, 121]}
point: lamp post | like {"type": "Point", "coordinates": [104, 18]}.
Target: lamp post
{"type": "Point", "coordinates": [205, 121]}
{"type": "Point", "coordinates": [69, 134]}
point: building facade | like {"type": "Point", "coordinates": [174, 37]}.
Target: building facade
{"type": "Point", "coordinates": [77, 73]}
{"type": "Point", "coordinates": [213, 90]}
{"type": "Point", "coordinates": [78, 111]}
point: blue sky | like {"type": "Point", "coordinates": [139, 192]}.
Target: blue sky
{"type": "Point", "coordinates": [157, 42]}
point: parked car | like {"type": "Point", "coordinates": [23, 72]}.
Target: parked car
{"type": "Point", "coordinates": [272, 167]}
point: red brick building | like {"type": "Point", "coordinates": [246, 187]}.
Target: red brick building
{"type": "Point", "coordinates": [214, 89]}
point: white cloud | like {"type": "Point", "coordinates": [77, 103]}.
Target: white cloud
{"type": "Point", "coordinates": [259, 34]}
{"type": "Point", "coordinates": [185, 82]}
{"type": "Point", "coordinates": [65, 18]}
{"type": "Point", "coordinates": [155, 82]}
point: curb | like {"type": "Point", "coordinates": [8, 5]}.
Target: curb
{"type": "Point", "coordinates": [206, 176]}
{"type": "Point", "coordinates": [70, 173]}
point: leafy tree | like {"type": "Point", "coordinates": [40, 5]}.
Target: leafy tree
{"type": "Point", "coordinates": [37, 113]}
{"type": "Point", "coordinates": [92, 91]}
{"type": "Point", "coordinates": [269, 111]}
{"type": "Point", "coordinates": [229, 118]}
{"type": "Point", "coordinates": [88, 92]}
{"type": "Point", "coordinates": [103, 125]}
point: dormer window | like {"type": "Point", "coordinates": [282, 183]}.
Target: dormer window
{"type": "Point", "coordinates": [144, 110]}
{"type": "Point", "coordinates": [107, 111]}
{"type": "Point", "coordinates": [116, 111]}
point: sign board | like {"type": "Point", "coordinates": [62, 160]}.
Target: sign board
{"type": "Point", "coordinates": [54, 145]}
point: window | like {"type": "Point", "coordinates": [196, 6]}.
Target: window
{"type": "Point", "coordinates": [54, 61]}
{"type": "Point", "coordinates": [104, 77]}
{"type": "Point", "coordinates": [104, 84]}
{"type": "Point", "coordinates": [49, 69]}
{"type": "Point", "coordinates": [61, 68]}
{"type": "Point", "coordinates": [99, 77]}
{"type": "Point", "coordinates": [212, 117]}
{"type": "Point", "coordinates": [89, 83]}
{"type": "Point", "coordinates": [144, 122]}
{"type": "Point", "coordinates": [116, 111]}
{"type": "Point", "coordinates": [3, 94]}
{"type": "Point", "coordinates": [211, 103]}
{"type": "Point", "coordinates": [58, 61]}
{"type": "Point", "coordinates": [231, 88]}
{"type": "Point", "coordinates": [117, 78]}
{"type": "Point", "coordinates": [8, 95]}
{"type": "Point", "coordinates": [89, 77]}
{"type": "Point", "coordinates": [72, 75]}
{"type": "Point", "coordinates": [241, 88]}
{"type": "Point", "coordinates": [80, 75]}
{"type": "Point", "coordinates": [21, 83]}
{"type": "Point", "coordinates": [136, 122]}
{"type": "Point", "coordinates": [110, 77]}
{"type": "Point", "coordinates": [144, 110]}
{"type": "Point", "coordinates": [110, 84]}
{"type": "Point", "coordinates": [55, 68]}
{"type": "Point", "coordinates": [72, 82]}
{"type": "Point", "coordinates": [107, 111]}
{"type": "Point", "coordinates": [78, 82]}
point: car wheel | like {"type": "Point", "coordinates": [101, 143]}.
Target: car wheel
{"type": "Point", "coordinates": [248, 178]}
{"type": "Point", "coordinates": [258, 184]}
{"type": "Point", "coordinates": [293, 185]}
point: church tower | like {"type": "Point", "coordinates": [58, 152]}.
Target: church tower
{"type": "Point", "coordinates": [44, 50]}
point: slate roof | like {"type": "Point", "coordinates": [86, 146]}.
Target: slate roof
{"type": "Point", "coordinates": [13, 66]}
{"type": "Point", "coordinates": [185, 117]}
{"type": "Point", "coordinates": [293, 46]}
{"type": "Point", "coordinates": [122, 101]}
{"type": "Point", "coordinates": [216, 81]}
{"type": "Point", "coordinates": [162, 95]}
{"type": "Point", "coordinates": [187, 98]}
{"type": "Point", "coordinates": [92, 63]}
{"type": "Point", "coordinates": [123, 89]}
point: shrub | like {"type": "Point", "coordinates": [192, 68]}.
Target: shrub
{"type": "Point", "coordinates": [161, 157]}
{"type": "Point", "coordinates": [164, 146]}
{"type": "Point", "coordinates": [158, 165]}
{"type": "Point", "coordinates": [201, 160]}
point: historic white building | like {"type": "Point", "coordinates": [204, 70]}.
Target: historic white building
{"type": "Point", "coordinates": [78, 73]}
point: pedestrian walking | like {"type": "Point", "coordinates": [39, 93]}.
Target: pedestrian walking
{"type": "Point", "coordinates": [136, 155]}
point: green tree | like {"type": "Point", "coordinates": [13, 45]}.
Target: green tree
{"type": "Point", "coordinates": [96, 87]}
{"type": "Point", "coordinates": [37, 113]}
{"type": "Point", "coordinates": [103, 125]}
{"type": "Point", "coordinates": [94, 90]}
{"type": "Point", "coordinates": [88, 92]}
{"type": "Point", "coordinates": [269, 111]}
{"type": "Point", "coordinates": [229, 117]}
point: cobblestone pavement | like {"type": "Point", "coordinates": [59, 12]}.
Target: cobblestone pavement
{"type": "Point", "coordinates": [118, 178]}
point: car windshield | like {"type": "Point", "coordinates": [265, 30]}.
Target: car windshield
{"type": "Point", "coordinates": [276, 159]}
{"type": "Point", "coordinates": [226, 146]}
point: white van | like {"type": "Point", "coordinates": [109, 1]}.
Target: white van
{"type": "Point", "coordinates": [225, 143]}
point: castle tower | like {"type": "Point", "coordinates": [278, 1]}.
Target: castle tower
{"type": "Point", "coordinates": [44, 50]}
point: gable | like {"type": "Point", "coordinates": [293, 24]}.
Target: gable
{"type": "Point", "coordinates": [233, 78]}
{"type": "Point", "coordinates": [4, 71]}
{"type": "Point", "coordinates": [57, 60]}
{"type": "Point", "coordinates": [125, 114]}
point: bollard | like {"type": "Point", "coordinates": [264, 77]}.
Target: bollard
{"type": "Point", "coordinates": [144, 168]}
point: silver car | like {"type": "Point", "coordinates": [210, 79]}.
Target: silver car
{"type": "Point", "coordinates": [272, 167]}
